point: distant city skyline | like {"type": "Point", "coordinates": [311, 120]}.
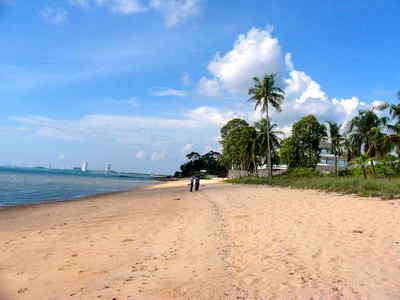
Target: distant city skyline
{"type": "Point", "coordinates": [139, 85]}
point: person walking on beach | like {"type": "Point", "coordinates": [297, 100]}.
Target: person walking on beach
{"type": "Point", "coordinates": [192, 182]}
{"type": "Point", "coordinates": [197, 183]}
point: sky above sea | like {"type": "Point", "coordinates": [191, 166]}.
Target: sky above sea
{"type": "Point", "coordinates": [140, 83]}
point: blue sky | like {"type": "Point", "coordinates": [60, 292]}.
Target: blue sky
{"type": "Point", "coordinates": [139, 83]}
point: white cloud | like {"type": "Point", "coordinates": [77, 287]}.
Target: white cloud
{"type": "Point", "coordinates": [81, 3]}
{"type": "Point", "coordinates": [140, 155]}
{"type": "Point", "coordinates": [212, 115]}
{"type": "Point", "coordinates": [254, 54]}
{"type": "Point", "coordinates": [130, 101]}
{"type": "Point", "coordinates": [169, 92]}
{"type": "Point", "coordinates": [377, 103]}
{"type": "Point", "coordinates": [289, 62]}
{"type": "Point", "coordinates": [300, 87]}
{"type": "Point", "coordinates": [124, 7]}
{"type": "Point", "coordinates": [158, 156]}
{"type": "Point", "coordinates": [187, 148]}
{"type": "Point", "coordinates": [186, 80]}
{"type": "Point", "coordinates": [208, 87]}
{"type": "Point", "coordinates": [54, 15]}
{"type": "Point", "coordinates": [176, 11]}
{"type": "Point", "coordinates": [202, 123]}
{"type": "Point", "coordinates": [350, 106]}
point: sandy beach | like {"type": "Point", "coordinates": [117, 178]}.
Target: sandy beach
{"type": "Point", "coordinates": [224, 242]}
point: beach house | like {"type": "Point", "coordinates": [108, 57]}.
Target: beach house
{"type": "Point", "coordinates": [327, 159]}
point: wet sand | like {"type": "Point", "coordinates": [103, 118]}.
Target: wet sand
{"type": "Point", "coordinates": [224, 242]}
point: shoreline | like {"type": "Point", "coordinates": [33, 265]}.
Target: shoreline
{"type": "Point", "coordinates": [73, 199]}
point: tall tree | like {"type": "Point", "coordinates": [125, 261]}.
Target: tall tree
{"type": "Point", "coordinates": [267, 130]}
{"type": "Point", "coordinates": [265, 93]}
{"type": "Point", "coordinates": [335, 140]}
{"type": "Point", "coordinates": [302, 149]}
{"type": "Point", "coordinates": [232, 124]}
{"type": "Point", "coordinates": [365, 132]}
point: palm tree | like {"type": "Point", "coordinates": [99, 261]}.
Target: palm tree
{"type": "Point", "coordinates": [335, 138]}
{"type": "Point", "coordinates": [394, 109]}
{"type": "Point", "coordinates": [362, 161]}
{"type": "Point", "coordinates": [363, 130]}
{"type": "Point", "coordinates": [263, 133]}
{"type": "Point", "coordinates": [265, 93]}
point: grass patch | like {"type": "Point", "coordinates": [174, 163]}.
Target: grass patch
{"type": "Point", "coordinates": [386, 188]}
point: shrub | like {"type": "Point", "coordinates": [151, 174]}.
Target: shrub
{"type": "Point", "coordinates": [303, 172]}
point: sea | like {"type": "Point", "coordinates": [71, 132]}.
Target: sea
{"type": "Point", "coordinates": [20, 186]}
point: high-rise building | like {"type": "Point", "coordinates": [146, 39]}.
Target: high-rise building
{"type": "Point", "coordinates": [108, 167]}
{"type": "Point", "coordinates": [84, 166]}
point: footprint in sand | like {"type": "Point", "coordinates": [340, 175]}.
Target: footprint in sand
{"type": "Point", "coordinates": [22, 291]}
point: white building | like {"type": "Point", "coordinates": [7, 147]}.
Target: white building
{"type": "Point", "coordinates": [108, 167]}
{"type": "Point", "coordinates": [327, 159]}
{"type": "Point", "coordinates": [84, 166]}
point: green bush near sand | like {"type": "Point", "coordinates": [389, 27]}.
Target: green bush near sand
{"type": "Point", "coordinates": [386, 188]}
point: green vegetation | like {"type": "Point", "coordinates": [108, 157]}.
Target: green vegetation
{"type": "Point", "coordinates": [376, 187]}
{"type": "Point", "coordinates": [202, 165]}
{"type": "Point", "coordinates": [302, 149]}
{"type": "Point", "coordinates": [370, 143]}
{"type": "Point", "coordinates": [263, 94]}
{"type": "Point", "coordinates": [245, 147]}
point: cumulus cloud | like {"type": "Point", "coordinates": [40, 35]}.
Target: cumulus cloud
{"type": "Point", "coordinates": [212, 115]}
{"type": "Point", "coordinates": [168, 92]}
{"type": "Point", "coordinates": [208, 87]}
{"type": "Point", "coordinates": [254, 54]}
{"type": "Point", "coordinates": [54, 15]}
{"type": "Point", "coordinates": [176, 11]}
{"type": "Point", "coordinates": [289, 62]}
{"type": "Point", "coordinates": [300, 87]}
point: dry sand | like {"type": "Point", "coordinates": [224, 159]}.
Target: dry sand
{"type": "Point", "coordinates": [224, 242]}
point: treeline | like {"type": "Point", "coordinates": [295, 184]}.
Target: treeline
{"type": "Point", "coordinates": [368, 138]}
{"type": "Point", "coordinates": [370, 142]}
{"type": "Point", "coordinates": [245, 146]}
{"type": "Point", "coordinates": [207, 164]}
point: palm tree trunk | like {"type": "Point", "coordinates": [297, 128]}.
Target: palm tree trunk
{"type": "Point", "coordinates": [254, 159]}
{"type": "Point", "coordinates": [269, 165]}
{"type": "Point", "coordinates": [364, 171]}
{"type": "Point", "coordinates": [373, 167]}
{"type": "Point", "coordinates": [336, 165]}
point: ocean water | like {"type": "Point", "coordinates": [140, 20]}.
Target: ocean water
{"type": "Point", "coordinates": [27, 186]}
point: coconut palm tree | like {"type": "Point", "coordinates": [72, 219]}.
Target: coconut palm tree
{"type": "Point", "coordinates": [265, 93]}
{"type": "Point", "coordinates": [362, 161]}
{"type": "Point", "coordinates": [394, 109]}
{"type": "Point", "coordinates": [364, 129]}
{"type": "Point", "coordinates": [263, 133]}
{"type": "Point", "coordinates": [335, 139]}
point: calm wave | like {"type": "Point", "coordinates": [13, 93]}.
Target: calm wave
{"type": "Point", "coordinates": [25, 186]}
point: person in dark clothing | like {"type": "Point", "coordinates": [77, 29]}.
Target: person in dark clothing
{"type": "Point", "coordinates": [192, 182]}
{"type": "Point", "coordinates": [197, 183]}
